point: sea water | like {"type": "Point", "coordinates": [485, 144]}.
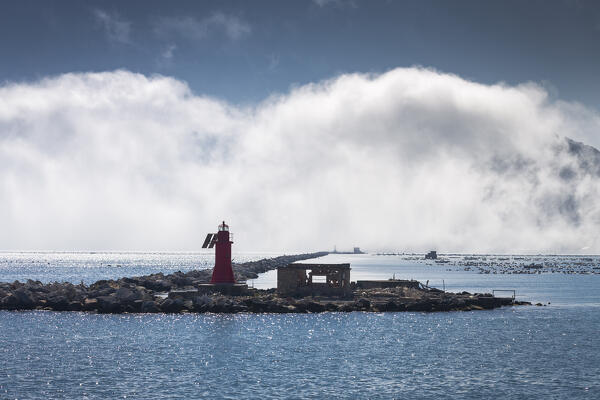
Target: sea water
{"type": "Point", "coordinates": [89, 267]}
{"type": "Point", "coordinates": [532, 352]}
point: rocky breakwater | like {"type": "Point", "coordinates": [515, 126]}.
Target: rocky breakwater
{"type": "Point", "coordinates": [136, 294]}
{"type": "Point", "coordinates": [147, 294]}
{"type": "Point", "coordinates": [428, 300]}
{"type": "Point", "coordinates": [139, 299]}
{"type": "Point", "coordinates": [370, 300]}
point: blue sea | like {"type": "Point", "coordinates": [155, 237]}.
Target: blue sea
{"type": "Point", "coordinates": [530, 352]}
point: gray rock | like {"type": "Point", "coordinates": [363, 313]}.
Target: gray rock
{"type": "Point", "coordinates": [188, 305]}
{"type": "Point", "coordinates": [58, 302]}
{"type": "Point", "coordinates": [25, 298]}
{"type": "Point", "coordinates": [363, 304]}
{"type": "Point", "coordinates": [312, 306]}
{"type": "Point", "coordinates": [149, 307]}
{"type": "Point", "coordinates": [75, 306]}
{"type": "Point", "coordinates": [127, 296]}
{"type": "Point", "coordinates": [109, 304]}
{"type": "Point", "coordinates": [90, 304]}
{"type": "Point", "coordinates": [9, 302]}
{"type": "Point", "coordinates": [171, 306]}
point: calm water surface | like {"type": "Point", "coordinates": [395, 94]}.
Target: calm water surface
{"type": "Point", "coordinates": [520, 352]}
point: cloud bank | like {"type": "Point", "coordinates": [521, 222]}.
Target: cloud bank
{"type": "Point", "coordinates": [408, 160]}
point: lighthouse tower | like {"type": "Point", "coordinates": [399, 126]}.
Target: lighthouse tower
{"type": "Point", "coordinates": [222, 273]}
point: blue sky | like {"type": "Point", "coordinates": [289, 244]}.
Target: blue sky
{"type": "Point", "coordinates": [243, 51]}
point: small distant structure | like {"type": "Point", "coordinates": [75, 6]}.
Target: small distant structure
{"type": "Point", "coordinates": [314, 280]}
{"type": "Point", "coordinates": [356, 250]}
{"type": "Point", "coordinates": [432, 255]}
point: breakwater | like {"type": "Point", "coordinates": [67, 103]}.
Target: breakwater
{"type": "Point", "coordinates": [372, 300]}
{"type": "Point", "coordinates": [146, 294]}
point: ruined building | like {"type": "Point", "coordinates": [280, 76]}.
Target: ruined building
{"type": "Point", "coordinates": [314, 280]}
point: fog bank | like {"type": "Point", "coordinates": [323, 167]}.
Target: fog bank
{"type": "Point", "coordinates": [409, 160]}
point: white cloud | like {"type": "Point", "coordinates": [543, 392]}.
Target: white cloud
{"type": "Point", "coordinates": [168, 52]}
{"type": "Point", "coordinates": [191, 28]}
{"type": "Point", "coordinates": [116, 29]}
{"type": "Point", "coordinates": [167, 57]}
{"type": "Point", "coordinates": [336, 3]}
{"type": "Point", "coordinates": [408, 160]}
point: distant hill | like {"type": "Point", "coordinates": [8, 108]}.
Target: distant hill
{"type": "Point", "coordinates": [587, 156]}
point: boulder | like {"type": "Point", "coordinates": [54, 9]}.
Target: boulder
{"type": "Point", "coordinates": [25, 299]}
{"type": "Point", "coordinates": [387, 306]}
{"type": "Point", "coordinates": [277, 307]}
{"type": "Point", "coordinates": [178, 279]}
{"type": "Point", "coordinates": [90, 304]}
{"type": "Point", "coordinates": [127, 296]}
{"type": "Point", "coordinates": [171, 306]}
{"type": "Point", "coordinates": [188, 305]}
{"type": "Point", "coordinates": [57, 302]}
{"type": "Point", "coordinates": [9, 302]}
{"type": "Point", "coordinates": [420, 305]}
{"type": "Point", "coordinates": [159, 285]}
{"type": "Point", "coordinates": [75, 306]}
{"type": "Point", "coordinates": [101, 291]}
{"type": "Point", "coordinates": [362, 304]}
{"type": "Point", "coordinates": [109, 304]}
{"type": "Point", "coordinates": [202, 303]}
{"type": "Point", "coordinates": [347, 307]}
{"type": "Point", "coordinates": [33, 285]}
{"type": "Point", "coordinates": [314, 307]}
{"type": "Point", "coordinates": [149, 307]}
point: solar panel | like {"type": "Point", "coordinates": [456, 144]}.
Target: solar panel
{"type": "Point", "coordinates": [213, 241]}
{"type": "Point", "coordinates": [208, 240]}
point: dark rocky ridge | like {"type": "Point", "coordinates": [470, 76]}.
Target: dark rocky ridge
{"type": "Point", "coordinates": [141, 294]}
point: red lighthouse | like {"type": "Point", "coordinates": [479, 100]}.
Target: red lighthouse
{"type": "Point", "coordinates": [222, 273]}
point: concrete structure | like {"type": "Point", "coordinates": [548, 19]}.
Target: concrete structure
{"type": "Point", "coordinates": [314, 280]}
{"type": "Point", "coordinates": [432, 255]}
{"type": "Point", "coordinates": [390, 283]}
{"type": "Point", "coordinates": [355, 250]}
{"type": "Point", "coordinates": [235, 289]}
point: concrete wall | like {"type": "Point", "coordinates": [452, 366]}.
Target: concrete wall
{"type": "Point", "coordinates": [392, 283]}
